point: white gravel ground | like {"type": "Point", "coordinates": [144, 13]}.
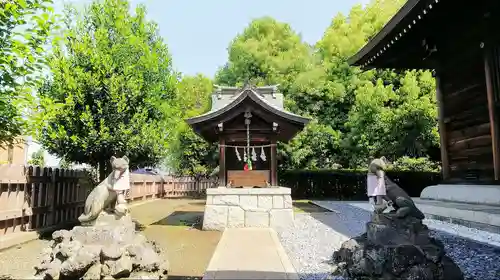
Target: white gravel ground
{"type": "Point", "coordinates": [480, 236]}
{"type": "Point", "coordinates": [312, 241]}
{"type": "Point", "coordinates": [310, 244]}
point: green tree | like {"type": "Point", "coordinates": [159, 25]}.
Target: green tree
{"type": "Point", "coordinates": [194, 95]}
{"type": "Point", "coordinates": [38, 158]}
{"type": "Point", "coordinates": [356, 115]}
{"type": "Point", "coordinates": [64, 164]}
{"type": "Point", "coordinates": [111, 88]}
{"type": "Point", "coordinates": [266, 52]}
{"type": "Point", "coordinates": [270, 52]}
{"type": "Point", "coordinates": [25, 26]}
{"type": "Point", "coordinates": [422, 164]}
{"type": "Point", "coordinates": [395, 120]}
{"type": "Point", "coordinates": [374, 112]}
{"type": "Point", "coordinates": [192, 155]}
{"type": "Point", "coordinates": [327, 90]}
{"type": "Point", "coordinates": [189, 153]}
{"type": "Point", "coordinates": [314, 148]}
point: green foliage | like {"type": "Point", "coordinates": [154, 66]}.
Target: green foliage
{"type": "Point", "coordinates": [25, 26]}
{"type": "Point", "coordinates": [397, 119]}
{"type": "Point", "coordinates": [89, 178]}
{"type": "Point", "coordinates": [64, 164]}
{"type": "Point", "coordinates": [111, 88]}
{"type": "Point", "coordinates": [300, 154]}
{"type": "Point", "coordinates": [38, 158]}
{"type": "Point", "coordinates": [421, 164]}
{"type": "Point", "coordinates": [189, 153]}
{"type": "Point", "coordinates": [194, 94]}
{"type": "Point", "coordinates": [350, 184]}
{"type": "Point", "coordinates": [267, 52]}
{"type": "Point", "coordinates": [356, 115]}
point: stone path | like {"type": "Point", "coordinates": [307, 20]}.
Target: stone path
{"type": "Point", "coordinates": [250, 253]}
{"type": "Point", "coordinates": [18, 261]}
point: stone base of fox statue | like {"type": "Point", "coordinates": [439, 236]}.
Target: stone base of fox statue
{"type": "Point", "coordinates": [395, 248]}
{"type": "Point", "coordinates": [109, 248]}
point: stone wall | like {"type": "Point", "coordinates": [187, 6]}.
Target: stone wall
{"type": "Point", "coordinates": [238, 208]}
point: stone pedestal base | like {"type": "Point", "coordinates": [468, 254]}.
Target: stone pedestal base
{"type": "Point", "coordinates": [394, 249]}
{"type": "Point", "coordinates": [239, 208]}
{"type": "Point", "coordinates": [110, 249]}
{"type": "Point", "coordinates": [393, 231]}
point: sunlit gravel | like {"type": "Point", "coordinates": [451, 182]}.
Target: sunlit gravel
{"type": "Point", "coordinates": [315, 236]}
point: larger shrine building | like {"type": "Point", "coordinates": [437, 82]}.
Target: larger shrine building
{"type": "Point", "coordinates": [459, 41]}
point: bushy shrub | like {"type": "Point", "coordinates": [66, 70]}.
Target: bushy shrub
{"type": "Point", "coordinates": [421, 164]}
{"type": "Point", "coordinates": [89, 178]}
{"type": "Point", "coordinates": [349, 184]}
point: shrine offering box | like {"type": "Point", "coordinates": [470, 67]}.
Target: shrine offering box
{"type": "Point", "coordinates": [249, 178]}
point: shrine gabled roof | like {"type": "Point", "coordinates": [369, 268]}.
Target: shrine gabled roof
{"type": "Point", "coordinates": [229, 103]}
{"type": "Point", "coordinates": [227, 98]}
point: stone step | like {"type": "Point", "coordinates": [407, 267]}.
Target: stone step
{"type": "Point", "coordinates": [250, 253]}
{"type": "Point", "coordinates": [483, 217]}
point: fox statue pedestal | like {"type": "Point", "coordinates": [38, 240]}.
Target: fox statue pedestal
{"type": "Point", "coordinates": [394, 249]}
{"type": "Point", "coordinates": [111, 247]}
{"type": "Point", "coordinates": [106, 245]}
{"type": "Point", "coordinates": [396, 246]}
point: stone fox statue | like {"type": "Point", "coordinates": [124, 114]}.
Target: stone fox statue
{"type": "Point", "coordinates": [109, 191]}
{"type": "Point", "coordinates": [401, 201]}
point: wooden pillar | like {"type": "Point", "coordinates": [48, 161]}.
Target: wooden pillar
{"type": "Point", "coordinates": [222, 162]}
{"type": "Point", "coordinates": [443, 134]}
{"type": "Point", "coordinates": [274, 164]}
{"type": "Point", "coordinates": [490, 74]}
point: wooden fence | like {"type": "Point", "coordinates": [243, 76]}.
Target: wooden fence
{"type": "Point", "coordinates": [33, 198]}
{"type": "Point", "coordinates": [152, 186]}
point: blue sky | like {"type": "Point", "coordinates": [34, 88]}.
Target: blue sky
{"type": "Point", "coordinates": [198, 31]}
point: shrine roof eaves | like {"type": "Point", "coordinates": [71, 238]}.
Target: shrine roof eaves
{"type": "Point", "coordinates": [398, 25]}
{"type": "Point", "coordinates": [256, 97]}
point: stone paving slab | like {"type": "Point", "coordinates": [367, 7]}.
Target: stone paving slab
{"type": "Point", "coordinates": [250, 253]}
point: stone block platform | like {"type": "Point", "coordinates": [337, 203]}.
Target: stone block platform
{"type": "Point", "coordinates": [248, 207]}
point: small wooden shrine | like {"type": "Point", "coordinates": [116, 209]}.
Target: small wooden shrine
{"type": "Point", "coordinates": [247, 123]}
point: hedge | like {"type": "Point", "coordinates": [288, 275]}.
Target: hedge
{"type": "Point", "coordinates": [349, 185]}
